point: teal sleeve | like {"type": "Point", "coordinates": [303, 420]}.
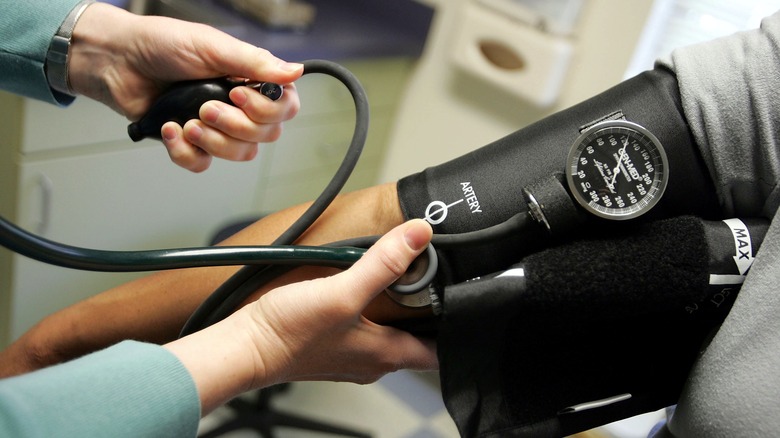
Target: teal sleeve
{"type": "Point", "coordinates": [27, 28]}
{"type": "Point", "coordinates": [132, 389]}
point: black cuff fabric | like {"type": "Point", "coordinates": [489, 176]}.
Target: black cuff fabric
{"type": "Point", "coordinates": [508, 374]}
{"type": "Point", "coordinates": [484, 187]}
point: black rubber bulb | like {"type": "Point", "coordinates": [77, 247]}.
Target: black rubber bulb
{"type": "Point", "coordinates": [183, 100]}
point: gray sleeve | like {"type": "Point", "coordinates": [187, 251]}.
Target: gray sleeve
{"type": "Point", "coordinates": [733, 389]}
{"type": "Point", "coordinates": [730, 90]}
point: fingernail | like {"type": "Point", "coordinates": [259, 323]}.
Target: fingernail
{"type": "Point", "coordinates": [194, 133]}
{"type": "Point", "coordinates": [416, 237]}
{"type": "Point", "coordinates": [290, 66]}
{"type": "Point", "coordinates": [210, 113]}
{"type": "Point", "coordinates": [169, 133]}
{"type": "Point", "coordinates": [239, 97]}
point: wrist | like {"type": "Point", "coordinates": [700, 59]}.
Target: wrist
{"type": "Point", "coordinates": [222, 360]}
{"type": "Point", "coordinates": [58, 55]}
{"type": "Point", "coordinates": [97, 53]}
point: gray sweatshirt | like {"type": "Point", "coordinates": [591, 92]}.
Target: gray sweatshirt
{"type": "Point", "coordinates": [731, 97]}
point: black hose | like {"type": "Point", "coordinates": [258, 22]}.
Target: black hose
{"type": "Point", "coordinates": [86, 259]}
{"type": "Point", "coordinates": [244, 282]}
{"type": "Point", "coordinates": [262, 262]}
{"type": "Point", "coordinates": [235, 291]}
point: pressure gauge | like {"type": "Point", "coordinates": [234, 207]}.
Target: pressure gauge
{"type": "Point", "coordinates": [617, 170]}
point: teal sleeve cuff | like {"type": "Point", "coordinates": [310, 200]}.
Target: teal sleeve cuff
{"type": "Point", "coordinates": [28, 28]}
{"type": "Point", "coordinates": [129, 390]}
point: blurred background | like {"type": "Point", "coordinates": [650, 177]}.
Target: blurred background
{"type": "Point", "coordinates": [443, 77]}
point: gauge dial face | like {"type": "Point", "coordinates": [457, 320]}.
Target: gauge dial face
{"type": "Point", "coordinates": [617, 170]}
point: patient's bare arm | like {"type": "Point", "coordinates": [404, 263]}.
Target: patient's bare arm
{"type": "Point", "coordinates": [155, 307]}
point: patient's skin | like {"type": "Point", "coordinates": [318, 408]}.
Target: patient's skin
{"type": "Point", "coordinates": [154, 308]}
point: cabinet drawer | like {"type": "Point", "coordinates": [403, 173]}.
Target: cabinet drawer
{"type": "Point", "coordinates": [48, 127]}
{"type": "Point", "coordinates": [127, 200]}
{"type": "Point", "coordinates": [131, 199]}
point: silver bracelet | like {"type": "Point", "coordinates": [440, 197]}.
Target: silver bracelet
{"type": "Point", "coordinates": [59, 49]}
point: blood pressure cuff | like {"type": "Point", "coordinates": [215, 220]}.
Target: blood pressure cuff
{"type": "Point", "coordinates": [591, 331]}
{"type": "Point", "coordinates": [508, 373]}
{"type": "Point", "coordinates": [556, 372]}
{"type": "Point", "coordinates": [484, 187]}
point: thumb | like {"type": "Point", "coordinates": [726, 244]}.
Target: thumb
{"type": "Point", "coordinates": [385, 261]}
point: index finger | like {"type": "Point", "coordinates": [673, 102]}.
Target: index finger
{"type": "Point", "coordinates": [245, 60]}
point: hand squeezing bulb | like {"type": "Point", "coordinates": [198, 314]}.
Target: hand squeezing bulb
{"type": "Point", "coordinates": [183, 100]}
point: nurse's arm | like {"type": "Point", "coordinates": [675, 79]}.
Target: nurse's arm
{"type": "Point", "coordinates": [154, 308]}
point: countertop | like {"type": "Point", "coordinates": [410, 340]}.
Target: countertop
{"type": "Point", "coordinates": [342, 29]}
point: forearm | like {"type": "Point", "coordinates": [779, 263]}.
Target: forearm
{"type": "Point", "coordinates": [154, 308]}
{"type": "Point", "coordinates": [131, 389]}
{"type": "Point", "coordinates": [220, 360]}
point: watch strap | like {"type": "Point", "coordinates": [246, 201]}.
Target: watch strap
{"type": "Point", "coordinates": [59, 50]}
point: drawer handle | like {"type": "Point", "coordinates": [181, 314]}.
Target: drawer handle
{"type": "Point", "coordinates": [501, 55]}
{"type": "Point", "coordinates": [44, 182]}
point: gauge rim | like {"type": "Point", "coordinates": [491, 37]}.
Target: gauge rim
{"type": "Point", "coordinates": [660, 181]}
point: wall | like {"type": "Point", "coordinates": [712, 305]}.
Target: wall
{"type": "Point", "coordinates": [10, 133]}
{"type": "Point", "coordinates": [445, 113]}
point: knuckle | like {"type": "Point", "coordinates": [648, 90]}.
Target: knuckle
{"type": "Point", "coordinates": [264, 53]}
{"type": "Point", "coordinates": [181, 158]}
{"type": "Point", "coordinates": [293, 106]}
{"type": "Point", "coordinates": [238, 151]}
{"type": "Point", "coordinates": [195, 161]}
{"type": "Point", "coordinates": [393, 262]}
{"type": "Point", "coordinates": [272, 133]}
{"type": "Point", "coordinates": [368, 379]}
{"type": "Point", "coordinates": [387, 364]}
{"type": "Point", "coordinates": [250, 153]}
{"type": "Point", "coordinates": [198, 166]}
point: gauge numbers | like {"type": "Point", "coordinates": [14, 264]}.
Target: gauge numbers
{"type": "Point", "coordinates": [617, 170]}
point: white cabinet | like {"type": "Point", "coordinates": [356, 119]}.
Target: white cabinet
{"type": "Point", "coordinates": [129, 199]}
{"type": "Point", "coordinates": [312, 146]}
{"type": "Point", "coordinates": [74, 176]}
{"type": "Point", "coordinates": [113, 195]}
